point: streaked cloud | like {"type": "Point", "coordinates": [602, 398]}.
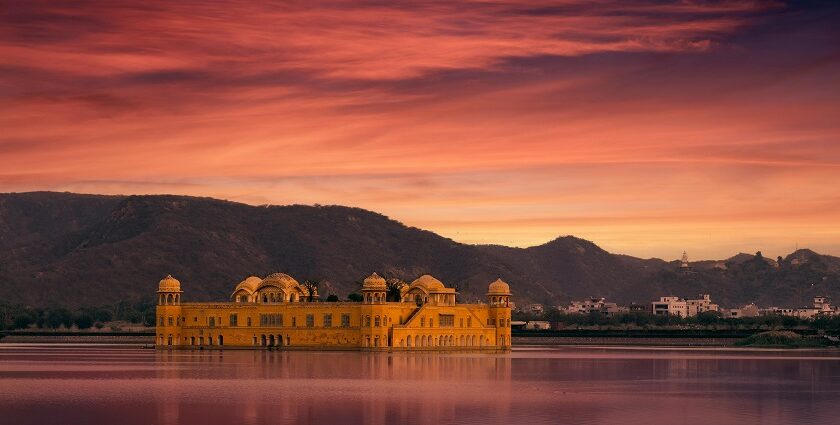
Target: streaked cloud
{"type": "Point", "coordinates": [649, 127]}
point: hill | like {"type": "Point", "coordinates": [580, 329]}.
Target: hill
{"type": "Point", "coordinates": [71, 249]}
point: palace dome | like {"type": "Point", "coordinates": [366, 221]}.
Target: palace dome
{"type": "Point", "coordinates": [499, 287]}
{"type": "Point", "coordinates": [375, 281]}
{"type": "Point", "coordinates": [169, 284]}
{"type": "Point", "coordinates": [250, 284]}
{"type": "Point", "coordinates": [429, 283]}
{"type": "Point", "coordinates": [280, 280]}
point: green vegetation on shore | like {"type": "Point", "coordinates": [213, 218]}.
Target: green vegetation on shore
{"type": "Point", "coordinates": [707, 320]}
{"type": "Point", "coordinates": [784, 339]}
{"type": "Point", "coordinates": [26, 317]}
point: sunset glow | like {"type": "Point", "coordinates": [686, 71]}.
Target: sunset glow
{"type": "Point", "coordinates": [647, 127]}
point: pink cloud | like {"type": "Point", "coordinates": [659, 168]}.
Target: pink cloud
{"type": "Point", "coordinates": [640, 125]}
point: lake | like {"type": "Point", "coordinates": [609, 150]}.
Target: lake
{"type": "Point", "coordinates": [63, 384]}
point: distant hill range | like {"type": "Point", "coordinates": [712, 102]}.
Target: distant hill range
{"type": "Point", "coordinates": [71, 249]}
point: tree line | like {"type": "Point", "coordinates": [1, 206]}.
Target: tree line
{"type": "Point", "coordinates": [18, 316]}
{"type": "Point", "coordinates": [710, 319]}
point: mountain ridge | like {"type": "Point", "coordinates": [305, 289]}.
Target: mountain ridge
{"type": "Point", "coordinates": [81, 249]}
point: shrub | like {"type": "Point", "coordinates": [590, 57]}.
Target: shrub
{"type": "Point", "coordinates": [83, 321]}
{"type": "Point", "coordinates": [782, 339]}
{"type": "Point", "coordinates": [22, 321]}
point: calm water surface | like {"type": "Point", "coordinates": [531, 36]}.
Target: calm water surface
{"type": "Point", "coordinates": [568, 385]}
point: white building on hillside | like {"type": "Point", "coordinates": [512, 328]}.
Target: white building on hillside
{"type": "Point", "coordinates": [537, 325]}
{"type": "Point", "coordinates": [676, 306]}
{"type": "Point", "coordinates": [535, 308]}
{"type": "Point", "coordinates": [749, 310]}
{"type": "Point", "coordinates": [594, 305]}
{"type": "Point", "coordinates": [821, 307]}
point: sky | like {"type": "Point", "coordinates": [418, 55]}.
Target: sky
{"type": "Point", "coordinates": [648, 127]}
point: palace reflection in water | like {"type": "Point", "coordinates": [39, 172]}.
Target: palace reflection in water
{"type": "Point", "coordinates": [83, 385]}
{"type": "Point", "coordinates": [370, 388]}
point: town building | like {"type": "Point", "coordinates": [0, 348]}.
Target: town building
{"type": "Point", "coordinates": [537, 325]}
{"type": "Point", "coordinates": [633, 307]}
{"type": "Point", "coordinates": [700, 305]}
{"type": "Point", "coordinates": [535, 309]}
{"type": "Point", "coordinates": [277, 311]}
{"type": "Point", "coordinates": [749, 310]}
{"type": "Point", "coordinates": [821, 307]}
{"type": "Point", "coordinates": [518, 324]}
{"type": "Point", "coordinates": [676, 306]}
{"type": "Point", "coordinates": [594, 305]}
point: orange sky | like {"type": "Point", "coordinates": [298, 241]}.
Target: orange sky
{"type": "Point", "coordinates": [647, 127]}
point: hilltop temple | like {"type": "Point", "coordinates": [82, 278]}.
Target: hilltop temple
{"type": "Point", "coordinates": [685, 266]}
{"type": "Point", "coordinates": [277, 311]}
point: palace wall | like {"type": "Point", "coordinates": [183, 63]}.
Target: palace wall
{"type": "Point", "coordinates": [432, 320]}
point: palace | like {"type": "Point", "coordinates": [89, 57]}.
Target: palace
{"type": "Point", "coordinates": [277, 311]}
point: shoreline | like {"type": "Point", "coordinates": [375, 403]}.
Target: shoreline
{"type": "Point", "coordinates": [688, 341]}
{"type": "Point", "coordinates": [78, 339]}
{"type": "Point", "coordinates": [527, 342]}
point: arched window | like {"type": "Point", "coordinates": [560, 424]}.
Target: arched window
{"type": "Point", "coordinates": [265, 298]}
{"type": "Point", "coordinates": [376, 321]}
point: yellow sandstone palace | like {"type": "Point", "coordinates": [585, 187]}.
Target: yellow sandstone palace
{"type": "Point", "coordinates": [275, 312]}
